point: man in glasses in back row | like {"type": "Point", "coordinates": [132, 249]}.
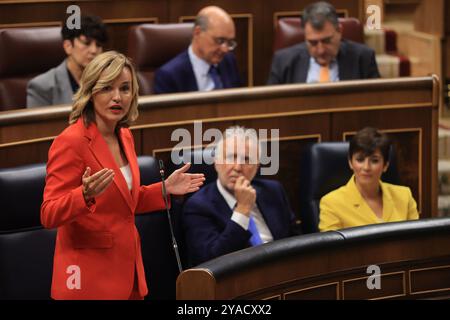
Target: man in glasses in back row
{"type": "Point", "coordinates": [208, 63]}
{"type": "Point", "coordinates": [81, 46]}
{"type": "Point", "coordinates": [324, 56]}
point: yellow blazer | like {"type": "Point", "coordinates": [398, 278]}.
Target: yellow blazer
{"type": "Point", "coordinates": [345, 207]}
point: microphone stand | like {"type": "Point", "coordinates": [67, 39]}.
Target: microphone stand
{"type": "Point", "coordinates": [166, 202]}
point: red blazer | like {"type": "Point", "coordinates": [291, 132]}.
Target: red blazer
{"type": "Point", "coordinates": [101, 240]}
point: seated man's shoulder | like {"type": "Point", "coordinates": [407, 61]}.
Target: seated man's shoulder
{"type": "Point", "coordinates": [357, 47]}
{"type": "Point", "coordinates": [269, 184]}
{"type": "Point", "coordinates": [43, 80]}
{"type": "Point", "coordinates": [208, 192]}
{"type": "Point", "coordinates": [340, 194]}
{"type": "Point", "coordinates": [71, 139]}
{"type": "Point", "coordinates": [40, 89]}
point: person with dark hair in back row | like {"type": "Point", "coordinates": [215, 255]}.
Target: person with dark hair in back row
{"type": "Point", "coordinates": [365, 199]}
{"type": "Point", "coordinates": [239, 210]}
{"type": "Point", "coordinates": [324, 56]}
{"type": "Point", "coordinates": [59, 84]}
{"type": "Point", "coordinates": [208, 63]}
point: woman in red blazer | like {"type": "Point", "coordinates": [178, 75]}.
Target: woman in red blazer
{"type": "Point", "coordinates": [93, 190]}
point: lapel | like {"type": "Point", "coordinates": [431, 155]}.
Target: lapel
{"type": "Point", "coordinates": [269, 216]}
{"type": "Point", "coordinates": [357, 202]}
{"type": "Point", "coordinates": [64, 89]}
{"type": "Point", "coordinates": [128, 146]}
{"type": "Point", "coordinates": [102, 154]}
{"type": "Point", "coordinates": [221, 204]}
{"type": "Point", "coordinates": [190, 82]}
{"type": "Point", "coordinates": [345, 64]}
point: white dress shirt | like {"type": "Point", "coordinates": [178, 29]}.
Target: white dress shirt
{"type": "Point", "coordinates": [126, 172]}
{"type": "Point", "coordinates": [242, 219]}
{"type": "Point", "coordinates": [201, 69]}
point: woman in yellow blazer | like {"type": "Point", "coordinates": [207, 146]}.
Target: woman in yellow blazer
{"type": "Point", "coordinates": [365, 199]}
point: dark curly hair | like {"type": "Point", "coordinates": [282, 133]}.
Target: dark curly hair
{"type": "Point", "coordinates": [91, 27]}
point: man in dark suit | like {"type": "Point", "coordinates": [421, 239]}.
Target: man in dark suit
{"type": "Point", "coordinates": [324, 56]}
{"type": "Point", "coordinates": [208, 63]}
{"type": "Point", "coordinates": [236, 211]}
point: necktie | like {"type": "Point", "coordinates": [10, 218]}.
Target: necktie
{"type": "Point", "coordinates": [255, 239]}
{"type": "Point", "coordinates": [214, 74]}
{"type": "Point", "coordinates": [324, 75]}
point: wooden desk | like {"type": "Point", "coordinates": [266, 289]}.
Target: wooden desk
{"type": "Point", "coordinates": [405, 108]}
{"type": "Point", "coordinates": [254, 21]}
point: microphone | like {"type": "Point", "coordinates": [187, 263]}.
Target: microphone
{"type": "Point", "coordinates": [166, 202]}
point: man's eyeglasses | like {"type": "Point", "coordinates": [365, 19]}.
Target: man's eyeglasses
{"type": "Point", "coordinates": [230, 43]}
{"type": "Point", "coordinates": [326, 40]}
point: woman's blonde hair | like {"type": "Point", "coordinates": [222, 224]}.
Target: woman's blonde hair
{"type": "Point", "coordinates": [99, 73]}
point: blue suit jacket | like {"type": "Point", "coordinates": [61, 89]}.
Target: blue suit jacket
{"type": "Point", "coordinates": [210, 232]}
{"type": "Point", "coordinates": [177, 75]}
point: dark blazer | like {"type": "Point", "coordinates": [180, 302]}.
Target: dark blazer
{"type": "Point", "coordinates": [355, 61]}
{"type": "Point", "coordinates": [177, 75]}
{"type": "Point", "coordinates": [208, 227]}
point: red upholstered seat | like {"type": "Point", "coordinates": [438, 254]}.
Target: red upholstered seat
{"type": "Point", "coordinates": [391, 48]}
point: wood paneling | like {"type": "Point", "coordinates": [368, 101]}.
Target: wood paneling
{"type": "Point", "coordinates": [118, 28]}
{"type": "Point", "coordinates": [244, 37]}
{"type": "Point", "coordinates": [274, 8]}
{"type": "Point", "coordinates": [391, 286]}
{"type": "Point", "coordinates": [319, 292]}
{"type": "Point", "coordinates": [447, 58]}
{"type": "Point", "coordinates": [430, 279]}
